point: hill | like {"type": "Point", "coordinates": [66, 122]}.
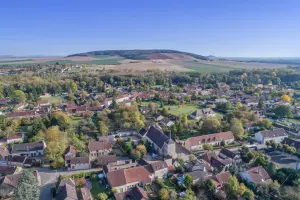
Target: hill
{"type": "Point", "coordinates": [149, 54]}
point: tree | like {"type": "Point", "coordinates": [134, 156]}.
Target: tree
{"type": "Point", "coordinates": [286, 98]}
{"type": "Point", "coordinates": [283, 111]}
{"type": "Point", "coordinates": [152, 107]}
{"type": "Point", "coordinates": [184, 119]}
{"type": "Point", "coordinates": [236, 128]}
{"type": "Point", "coordinates": [61, 119]}
{"type": "Point", "coordinates": [27, 187]}
{"type": "Point", "coordinates": [56, 142]}
{"type": "Point", "coordinates": [272, 168]}
{"type": "Point", "coordinates": [141, 148]}
{"type": "Point", "coordinates": [102, 196]}
{"type": "Point", "coordinates": [248, 194]}
{"type": "Point", "coordinates": [164, 112]}
{"type": "Point", "coordinates": [191, 157]}
{"type": "Point", "coordinates": [136, 155]}
{"type": "Point", "coordinates": [188, 180]}
{"type": "Point", "coordinates": [208, 147]}
{"type": "Point", "coordinates": [211, 125]}
{"type": "Point", "coordinates": [114, 190]}
{"type": "Point", "coordinates": [242, 188]}
{"type": "Point", "coordinates": [103, 129]}
{"type": "Point", "coordinates": [114, 104]}
{"type": "Point", "coordinates": [210, 186]}
{"type": "Point", "coordinates": [164, 194]}
{"type": "Point", "coordinates": [18, 96]}
{"type": "Point", "coordinates": [261, 160]}
{"type": "Point", "coordinates": [232, 187]}
{"type": "Point", "coordinates": [238, 105]}
{"type": "Point", "coordinates": [73, 86]}
{"type": "Point", "coordinates": [173, 195]}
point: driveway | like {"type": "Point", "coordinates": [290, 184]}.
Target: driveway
{"type": "Point", "coordinates": [284, 160]}
{"type": "Point", "coordinates": [50, 177]}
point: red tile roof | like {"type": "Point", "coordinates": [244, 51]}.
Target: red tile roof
{"type": "Point", "coordinates": [193, 141]}
{"type": "Point", "coordinates": [258, 175]}
{"type": "Point", "coordinates": [98, 145]}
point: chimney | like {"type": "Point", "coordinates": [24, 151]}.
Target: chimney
{"type": "Point", "coordinates": [204, 169]}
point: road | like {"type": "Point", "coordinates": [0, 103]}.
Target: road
{"type": "Point", "coordinates": [50, 177]}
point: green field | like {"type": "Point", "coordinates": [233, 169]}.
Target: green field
{"type": "Point", "coordinates": [206, 67]}
{"type": "Point", "coordinates": [178, 110]}
{"type": "Point", "coordinates": [52, 99]}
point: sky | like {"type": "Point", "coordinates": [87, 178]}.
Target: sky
{"type": "Point", "coordinates": [226, 28]}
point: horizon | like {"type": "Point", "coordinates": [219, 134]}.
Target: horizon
{"type": "Point", "coordinates": [231, 29]}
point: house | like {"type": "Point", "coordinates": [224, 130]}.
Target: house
{"type": "Point", "coordinates": [85, 194]}
{"type": "Point", "coordinates": [203, 113]}
{"type": "Point", "coordinates": [196, 143]}
{"type": "Point", "coordinates": [167, 122]}
{"type": "Point", "coordinates": [136, 193]}
{"type": "Point", "coordinates": [23, 114]}
{"type": "Point", "coordinates": [126, 179]}
{"type": "Point", "coordinates": [8, 184]}
{"type": "Point", "coordinates": [256, 175]}
{"type": "Point", "coordinates": [120, 163]}
{"type": "Point", "coordinates": [220, 179]}
{"type": "Point", "coordinates": [29, 149]}
{"type": "Point", "coordinates": [106, 159]}
{"type": "Point", "coordinates": [277, 135]}
{"type": "Point", "coordinates": [160, 142]}
{"type": "Point", "coordinates": [291, 142]}
{"type": "Point", "coordinates": [157, 117]}
{"type": "Point", "coordinates": [97, 148]}
{"type": "Point", "coordinates": [119, 99]}
{"type": "Point", "coordinates": [43, 103]}
{"type": "Point", "coordinates": [13, 138]}
{"type": "Point", "coordinates": [218, 164]}
{"type": "Point", "coordinates": [4, 101]}
{"type": "Point", "coordinates": [199, 175]}
{"type": "Point", "coordinates": [125, 132]}
{"type": "Point", "coordinates": [66, 190]}
{"type": "Point", "coordinates": [160, 169]}
{"type": "Point", "coordinates": [70, 152]}
{"type": "Point", "coordinates": [226, 153]}
{"type": "Point", "coordinates": [79, 163]}
{"type": "Point", "coordinates": [21, 161]}
{"type": "Point", "coordinates": [9, 170]}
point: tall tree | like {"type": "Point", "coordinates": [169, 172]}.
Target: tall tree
{"type": "Point", "coordinates": [18, 96]}
{"type": "Point", "coordinates": [27, 187]}
{"type": "Point", "coordinates": [236, 128]}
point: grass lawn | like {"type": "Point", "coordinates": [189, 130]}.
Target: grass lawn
{"type": "Point", "coordinates": [96, 188]}
{"type": "Point", "coordinates": [296, 121]}
{"type": "Point", "coordinates": [168, 184]}
{"type": "Point", "coordinates": [75, 120]}
{"type": "Point", "coordinates": [52, 99]}
{"type": "Point", "coordinates": [185, 109]}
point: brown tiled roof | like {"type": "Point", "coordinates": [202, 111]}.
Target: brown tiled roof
{"type": "Point", "coordinates": [22, 114]}
{"type": "Point", "coordinates": [11, 180]}
{"type": "Point", "coordinates": [193, 141]}
{"type": "Point", "coordinates": [67, 192]}
{"type": "Point", "coordinates": [85, 194]}
{"type": "Point", "coordinates": [42, 102]}
{"type": "Point", "coordinates": [158, 165]}
{"type": "Point", "coordinates": [125, 176]}
{"type": "Point", "coordinates": [279, 132]}
{"type": "Point", "coordinates": [7, 170]}
{"type": "Point", "coordinates": [222, 177]}
{"type": "Point", "coordinates": [96, 145]}
{"type": "Point", "coordinates": [70, 149]}
{"type": "Point", "coordinates": [79, 160]}
{"type": "Point", "coordinates": [106, 159]}
{"type": "Point", "coordinates": [208, 155]}
{"type": "Point", "coordinates": [258, 174]}
{"type": "Point", "coordinates": [14, 136]}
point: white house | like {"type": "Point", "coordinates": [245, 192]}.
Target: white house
{"type": "Point", "coordinates": [203, 113]}
{"type": "Point", "coordinates": [79, 163]}
{"type": "Point", "coordinates": [196, 143]}
{"type": "Point", "coordinates": [160, 169]}
{"type": "Point", "coordinates": [29, 149]}
{"type": "Point", "coordinates": [277, 135]}
{"type": "Point", "coordinates": [13, 138]}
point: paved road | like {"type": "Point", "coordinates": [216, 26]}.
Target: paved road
{"type": "Point", "coordinates": [49, 177]}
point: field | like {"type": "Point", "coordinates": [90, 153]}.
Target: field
{"type": "Point", "coordinates": [52, 99]}
{"type": "Point", "coordinates": [185, 109]}
{"type": "Point", "coordinates": [162, 62]}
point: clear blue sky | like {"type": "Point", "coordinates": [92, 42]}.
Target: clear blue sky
{"type": "Point", "coordinates": [237, 28]}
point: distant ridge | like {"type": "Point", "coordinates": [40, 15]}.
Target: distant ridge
{"type": "Point", "coordinates": [139, 54]}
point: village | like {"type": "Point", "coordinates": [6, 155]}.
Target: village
{"type": "Point", "coordinates": [169, 141]}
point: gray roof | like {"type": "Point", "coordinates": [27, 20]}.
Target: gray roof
{"type": "Point", "coordinates": [158, 137]}
{"type": "Point", "coordinates": [280, 132]}
{"type": "Point", "coordinates": [32, 146]}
